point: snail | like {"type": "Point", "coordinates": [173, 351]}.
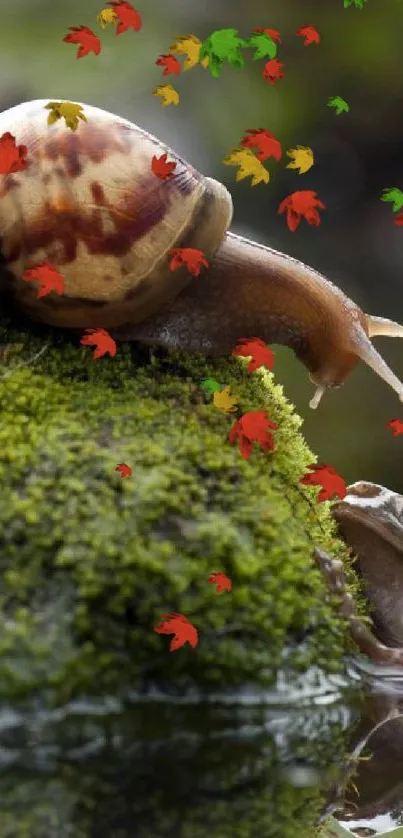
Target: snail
{"type": "Point", "coordinates": [89, 203]}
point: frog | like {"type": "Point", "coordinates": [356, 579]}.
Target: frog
{"type": "Point", "coordinates": [370, 520]}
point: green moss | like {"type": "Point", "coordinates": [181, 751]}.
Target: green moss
{"type": "Point", "coordinates": [90, 561]}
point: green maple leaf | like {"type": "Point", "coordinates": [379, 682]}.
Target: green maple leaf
{"type": "Point", "coordinates": [264, 45]}
{"type": "Point", "coordinates": [358, 4]}
{"type": "Point", "coordinates": [339, 104]}
{"type": "Point", "coordinates": [394, 195]}
{"type": "Point", "coordinates": [222, 45]}
{"type": "Point", "coordinates": [210, 385]}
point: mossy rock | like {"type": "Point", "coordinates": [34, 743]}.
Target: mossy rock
{"type": "Point", "coordinates": [90, 562]}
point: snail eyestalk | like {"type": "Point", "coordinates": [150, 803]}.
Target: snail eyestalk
{"type": "Point", "coordinates": [317, 397]}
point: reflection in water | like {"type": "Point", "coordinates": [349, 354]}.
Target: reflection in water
{"type": "Point", "coordinates": [170, 770]}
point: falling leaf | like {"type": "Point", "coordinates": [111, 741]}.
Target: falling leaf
{"type": "Point", "coordinates": [88, 40]}
{"type": "Point", "coordinates": [48, 276]}
{"type": "Point", "coordinates": [128, 17]}
{"type": "Point", "coordinates": [253, 427]}
{"type": "Point", "coordinates": [358, 4]}
{"type": "Point", "coordinates": [302, 158]}
{"type": "Point", "coordinates": [180, 626]}
{"type": "Point", "coordinates": [339, 104]}
{"type": "Point", "coordinates": [124, 469]}
{"type": "Point", "coordinates": [210, 385]}
{"type": "Point", "coordinates": [273, 33]}
{"type": "Point", "coordinates": [249, 165]}
{"type": "Point", "coordinates": [171, 64]}
{"type": "Point", "coordinates": [264, 45]}
{"type": "Point", "coordinates": [221, 580]}
{"type": "Point", "coordinates": [272, 71]}
{"type": "Point", "coordinates": [310, 33]}
{"type": "Point", "coordinates": [396, 426]}
{"type": "Point", "coordinates": [106, 16]}
{"type": "Point", "coordinates": [169, 95]}
{"type": "Point", "coordinates": [161, 167]}
{"type": "Point", "coordinates": [225, 401]}
{"type": "Point", "coordinates": [190, 46]}
{"type": "Point", "coordinates": [395, 196]}
{"type": "Point", "coordinates": [327, 477]}
{"type": "Point", "coordinates": [12, 157]}
{"type": "Point", "coordinates": [301, 205]}
{"type": "Point", "coordinates": [222, 45]}
{"type": "Point", "coordinates": [69, 110]}
{"type": "Point", "coordinates": [398, 220]}
{"type": "Point", "coordinates": [257, 350]}
{"type": "Point", "coordinates": [190, 256]}
{"type": "Point", "coordinates": [263, 140]}
{"type": "Point", "coordinates": [102, 340]}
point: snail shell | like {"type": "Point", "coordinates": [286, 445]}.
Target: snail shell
{"type": "Point", "coordinates": [89, 203]}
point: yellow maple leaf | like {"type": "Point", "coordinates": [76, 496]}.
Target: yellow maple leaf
{"type": "Point", "coordinates": [106, 16]}
{"type": "Point", "coordinates": [168, 93]}
{"type": "Point", "coordinates": [188, 45]}
{"type": "Point", "coordinates": [224, 401]}
{"type": "Point", "coordinates": [248, 165]}
{"type": "Point", "coordinates": [302, 158]}
{"type": "Point", "coordinates": [69, 110]}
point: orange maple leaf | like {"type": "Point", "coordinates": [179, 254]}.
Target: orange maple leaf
{"type": "Point", "coordinates": [128, 16]}
{"type": "Point", "coordinates": [221, 580]}
{"type": "Point", "coordinates": [272, 33]}
{"type": "Point", "coordinates": [262, 356]}
{"type": "Point", "coordinates": [12, 157]}
{"type": "Point", "coordinates": [253, 427]}
{"type": "Point", "coordinates": [310, 33]}
{"type": "Point", "coordinates": [327, 477]}
{"type": "Point", "coordinates": [124, 469]}
{"type": "Point", "coordinates": [396, 426]}
{"type": "Point", "coordinates": [48, 276]}
{"type": "Point", "coordinates": [190, 256]}
{"type": "Point", "coordinates": [103, 341]}
{"type": "Point", "coordinates": [263, 140]}
{"type": "Point", "coordinates": [273, 70]}
{"type": "Point", "coordinates": [171, 64]}
{"type": "Point", "coordinates": [88, 40]}
{"type": "Point", "coordinates": [180, 626]}
{"type": "Point", "coordinates": [161, 168]}
{"type": "Point", "coordinates": [301, 205]}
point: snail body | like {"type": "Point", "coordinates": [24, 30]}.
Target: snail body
{"type": "Point", "coordinates": [89, 203]}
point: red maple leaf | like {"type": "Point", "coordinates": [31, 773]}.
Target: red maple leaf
{"type": "Point", "coordinates": [190, 256]}
{"type": "Point", "coordinates": [124, 469]}
{"type": "Point", "coordinates": [398, 220]}
{"type": "Point", "coordinates": [263, 140]}
{"type": "Point", "coordinates": [328, 478]}
{"type": "Point", "coordinates": [262, 356]}
{"type": "Point", "coordinates": [222, 581]}
{"type": "Point", "coordinates": [310, 33]}
{"type": "Point", "coordinates": [272, 33]}
{"type": "Point", "coordinates": [171, 64]}
{"type": "Point", "coordinates": [88, 40]}
{"type": "Point", "coordinates": [12, 157]}
{"type": "Point", "coordinates": [396, 425]}
{"type": "Point", "coordinates": [301, 204]}
{"type": "Point", "coordinates": [273, 70]}
{"type": "Point", "coordinates": [253, 427]}
{"type": "Point", "coordinates": [161, 167]}
{"type": "Point", "coordinates": [103, 341]}
{"type": "Point", "coordinates": [48, 276]}
{"type": "Point", "coordinates": [128, 16]}
{"type": "Point", "coordinates": [180, 626]}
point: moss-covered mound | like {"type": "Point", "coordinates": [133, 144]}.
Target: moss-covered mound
{"type": "Point", "coordinates": [90, 562]}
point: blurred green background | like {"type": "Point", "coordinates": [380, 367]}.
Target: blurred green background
{"type": "Point", "coordinates": [356, 156]}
